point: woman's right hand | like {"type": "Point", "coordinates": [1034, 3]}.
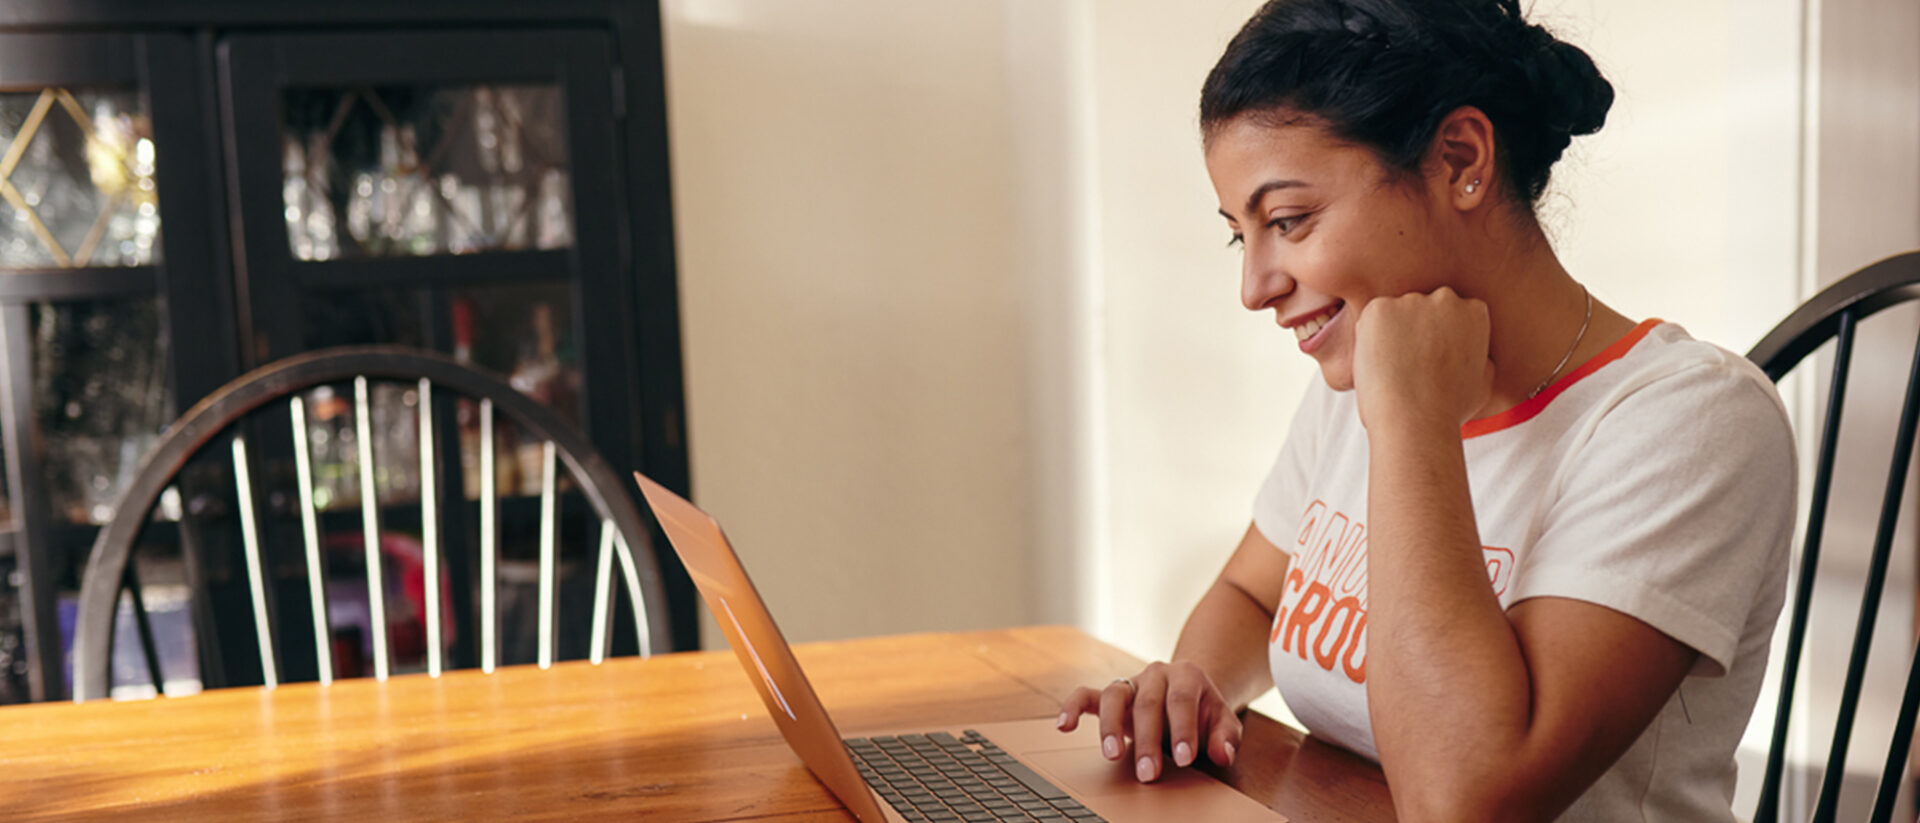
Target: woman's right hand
{"type": "Point", "coordinates": [1167, 707]}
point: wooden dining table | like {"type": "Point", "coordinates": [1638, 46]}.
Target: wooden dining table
{"type": "Point", "coordinates": [680, 737]}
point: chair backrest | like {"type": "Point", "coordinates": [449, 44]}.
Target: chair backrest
{"type": "Point", "coordinates": [1835, 315]}
{"type": "Point", "coordinates": [268, 406]}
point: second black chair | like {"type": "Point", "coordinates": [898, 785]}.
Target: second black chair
{"type": "Point", "coordinates": [1834, 315]}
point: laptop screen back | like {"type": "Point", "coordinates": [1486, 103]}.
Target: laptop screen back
{"type": "Point", "coordinates": [763, 651]}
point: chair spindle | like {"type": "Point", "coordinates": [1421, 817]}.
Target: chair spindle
{"type": "Point", "coordinates": [602, 582]}
{"type": "Point", "coordinates": [310, 536]}
{"type": "Point", "coordinates": [1768, 810]}
{"type": "Point", "coordinates": [370, 529]}
{"type": "Point", "coordinates": [1902, 746]}
{"type": "Point", "coordinates": [489, 544]}
{"type": "Point", "coordinates": [145, 628]}
{"type": "Point", "coordinates": [430, 527]}
{"type": "Point", "coordinates": [642, 632]}
{"type": "Point", "coordinates": [256, 579]}
{"type": "Point", "coordinates": [548, 577]}
{"type": "Point", "coordinates": [1827, 805]}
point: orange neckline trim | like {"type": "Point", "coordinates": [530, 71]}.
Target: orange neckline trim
{"type": "Point", "coordinates": [1538, 403]}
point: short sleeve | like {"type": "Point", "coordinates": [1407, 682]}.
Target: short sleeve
{"type": "Point", "coordinates": [1282, 496]}
{"type": "Point", "coordinates": [1677, 509]}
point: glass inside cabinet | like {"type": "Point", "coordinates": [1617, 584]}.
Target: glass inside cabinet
{"type": "Point", "coordinates": [521, 333]}
{"type": "Point", "coordinates": [397, 171]}
{"type": "Point", "coordinates": [100, 399]}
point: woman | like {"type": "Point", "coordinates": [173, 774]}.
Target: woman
{"type": "Point", "coordinates": [1520, 549]}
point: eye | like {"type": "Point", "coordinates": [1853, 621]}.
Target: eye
{"type": "Point", "coordinates": [1287, 224]}
{"type": "Point", "coordinates": [1237, 241]}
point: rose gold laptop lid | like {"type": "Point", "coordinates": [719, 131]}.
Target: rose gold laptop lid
{"type": "Point", "coordinates": [762, 649]}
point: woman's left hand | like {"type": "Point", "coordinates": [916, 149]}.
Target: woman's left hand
{"type": "Point", "coordinates": [1422, 357]}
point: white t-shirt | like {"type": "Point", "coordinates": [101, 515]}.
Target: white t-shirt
{"type": "Point", "coordinates": [1656, 479]}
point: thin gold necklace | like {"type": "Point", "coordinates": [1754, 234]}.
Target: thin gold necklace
{"type": "Point", "coordinates": [1569, 355]}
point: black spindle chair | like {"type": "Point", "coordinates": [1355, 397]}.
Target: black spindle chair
{"type": "Point", "coordinates": [1835, 314]}
{"type": "Point", "coordinates": [268, 403]}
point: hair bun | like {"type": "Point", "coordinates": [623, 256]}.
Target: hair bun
{"type": "Point", "coordinates": [1572, 93]}
{"type": "Point", "coordinates": [1552, 93]}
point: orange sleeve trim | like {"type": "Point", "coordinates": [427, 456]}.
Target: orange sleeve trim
{"type": "Point", "coordinates": [1538, 403]}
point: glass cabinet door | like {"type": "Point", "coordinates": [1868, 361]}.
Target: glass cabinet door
{"type": "Point", "coordinates": [94, 163]}
{"type": "Point", "coordinates": [457, 191]}
{"type": "Point", "coordinates": [453, 190]}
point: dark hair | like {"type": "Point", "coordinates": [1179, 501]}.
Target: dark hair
{"type": "Point", "coordinates": [1384, 73]}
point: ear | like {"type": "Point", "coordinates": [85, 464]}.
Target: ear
{"type": "Point", "coordinates": [1461, 158]}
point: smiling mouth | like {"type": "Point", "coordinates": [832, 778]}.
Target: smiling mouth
{"type": "Point", "coordinates": [1312, 325]}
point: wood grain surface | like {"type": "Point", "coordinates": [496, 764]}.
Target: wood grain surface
{"type": "Point", "coordinates": [674, 738]}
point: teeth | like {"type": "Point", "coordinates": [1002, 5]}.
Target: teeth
{"type": "Point", "coordinates": [1313, 326]}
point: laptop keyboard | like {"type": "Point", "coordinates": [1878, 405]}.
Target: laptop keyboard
{"type": "Point", "coordinates": [939, 778]}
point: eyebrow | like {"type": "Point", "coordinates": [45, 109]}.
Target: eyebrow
{"type": "Point", "coordinates": [1253, 200]}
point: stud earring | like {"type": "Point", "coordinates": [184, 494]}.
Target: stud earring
{"type": "Point", "coordinates": [1471, 187]}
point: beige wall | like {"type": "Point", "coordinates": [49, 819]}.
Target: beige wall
{"type": "Point", "coordinates": [856, 354]}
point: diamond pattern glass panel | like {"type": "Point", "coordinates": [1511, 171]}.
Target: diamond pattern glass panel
{"type": "Point", "coordinates": [76, 180]}
{"type": "Point", "coordinates": [99, 394]}
{"type": "Point", "coordinates": [396, 171]}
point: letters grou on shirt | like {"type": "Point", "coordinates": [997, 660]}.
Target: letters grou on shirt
{"type": "Point", "coordinates": [1323, 608]}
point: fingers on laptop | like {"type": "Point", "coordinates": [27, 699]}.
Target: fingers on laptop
{"type": "Point", "coordinates": [1116, 719]}
{"type": "Point", "coordinates": [1184, 718]}
{"type": "Point", "coordinates": [1223, 740]}
{"type": "Point", "coordinates": [1149, 720]}
{"type": "Point", "coordinates": [1179, 700]}
{"type": "Point", "coordinates": [1081, 701]}
{"type": "Point", "coordinates": [1165, 709]}
{"type": "Point", "coordinates": [1112, 705]}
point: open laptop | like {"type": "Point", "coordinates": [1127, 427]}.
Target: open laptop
{"type": "Point", "coordinates": [1000, 771]}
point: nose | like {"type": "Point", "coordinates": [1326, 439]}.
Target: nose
{"type": "Point", "coordinates": [1263, 278]}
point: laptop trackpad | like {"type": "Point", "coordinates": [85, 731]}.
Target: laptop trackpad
{"type": "Point", "coordinates": [1110, 789]}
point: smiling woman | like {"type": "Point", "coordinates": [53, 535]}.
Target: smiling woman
{"type": "Point", "coordinates": [1510, 549]}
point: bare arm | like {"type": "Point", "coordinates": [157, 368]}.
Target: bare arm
{"type": "Point", "coordinates": [1226, 636]}
{"type": "Point", "coordinates": [1478, 713]}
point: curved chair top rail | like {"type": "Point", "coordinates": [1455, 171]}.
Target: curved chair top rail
{"type": "Point", "coordinates": [213, 415]}
{"type": "Point", "coordinates": [1887, 283]}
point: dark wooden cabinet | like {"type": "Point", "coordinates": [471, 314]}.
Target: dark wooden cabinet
{"type": "Point", "coordinates": [190, 190]}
